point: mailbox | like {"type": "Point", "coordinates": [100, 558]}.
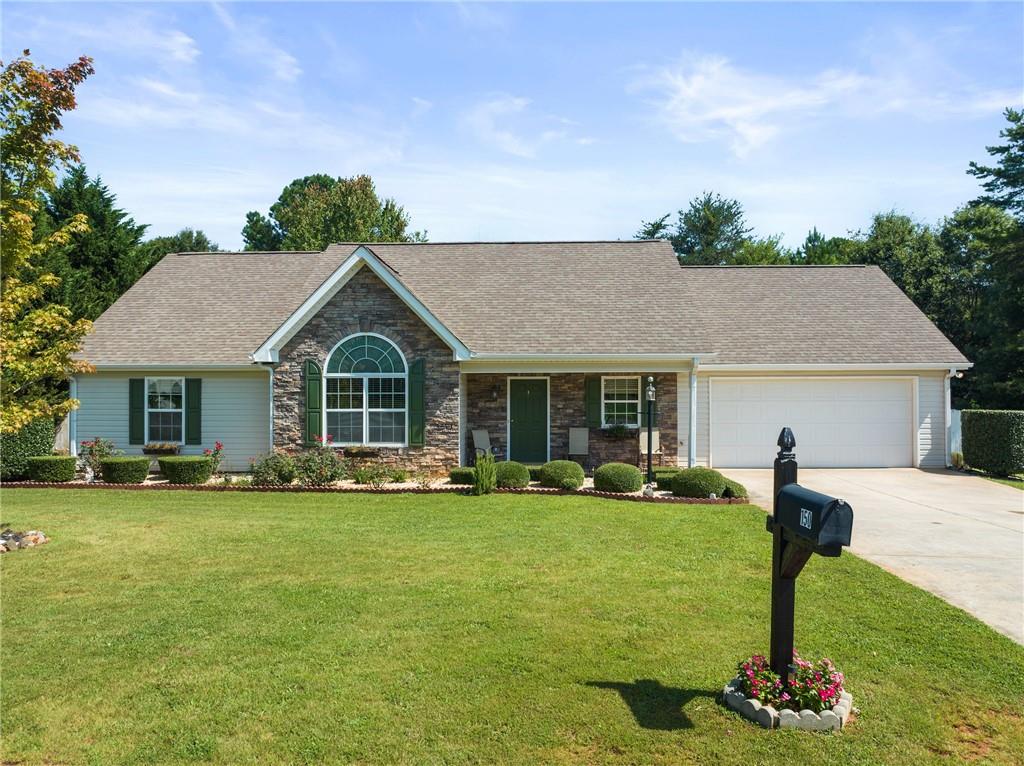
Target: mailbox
{"type": "Point", "coordinates": [821, 521]}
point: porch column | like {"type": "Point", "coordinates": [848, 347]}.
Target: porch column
{"type": "Point", "coordinates": [692, 441]}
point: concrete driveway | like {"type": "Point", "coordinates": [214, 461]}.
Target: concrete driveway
{"type": "Point", "coordinates": [959, 536]}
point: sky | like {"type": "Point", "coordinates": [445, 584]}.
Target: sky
{"type": "Point", "coordinates": [536, 121]}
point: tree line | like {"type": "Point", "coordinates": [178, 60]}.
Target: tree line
{"type": "Point", "coordinates": [68, 251]}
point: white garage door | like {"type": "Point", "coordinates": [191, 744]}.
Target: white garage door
{"type": "Point", "coordinates": [837, 423]}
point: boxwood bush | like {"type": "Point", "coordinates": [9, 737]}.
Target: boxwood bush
{"type": "Point", "coordinates": [52, 468]}
{"type": "Point", "coordinates": [734, 489]}
{"type": "Point", "coordinates": [562, 474]}
{"type": "Point", "coordinates": [276, 469]}
{"type": "Point", "coordinates": [463, 475]}
{"type": "Point", "coordinates": [698, 482]}
{"type": "Point", "coordinates": [993, 440]}
{"type": "Point", "coordinates": [34, 440]}
{"type": "Point", "coordinates": [663, 476]}
{"type": "Point", "coordinates": [618, 477]}
{"type": "Point", "coordinates": [512, 475]}
{"type": "Point", "coordinates": [186, 469]}
{"type": "Point", "coordinates": [130, 469]}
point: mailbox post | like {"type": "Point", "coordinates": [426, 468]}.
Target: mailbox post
{"type": "Point", "coordinates": [803, 522]}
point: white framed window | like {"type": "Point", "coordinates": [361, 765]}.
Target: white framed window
{"type": "Point", "coordinates": [165, 410]}
{"type": "Point", "coordinates": [366, 393]}
{"type": "Point", "coordinates": [620, 401]}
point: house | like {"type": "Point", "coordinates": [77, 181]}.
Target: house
{"type": "Point", "coordinates": [408, 348]}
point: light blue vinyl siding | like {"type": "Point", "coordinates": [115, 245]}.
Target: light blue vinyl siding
{"type": "Point", "coordinates": [236, 411]}
{"type": "Point", "coordinates": [931, 420]}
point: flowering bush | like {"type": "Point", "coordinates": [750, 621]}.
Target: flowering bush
{"type": "Point", "coordinates": [214, 454]}
{"type": "Point", "coordinates": [94, 452]}
{"type": "Point", "coordinates": [320, 465]}
{"type": "Point", "coordinates": [814, 686]}
{"type": "Point", "coordinates": [275, 469]}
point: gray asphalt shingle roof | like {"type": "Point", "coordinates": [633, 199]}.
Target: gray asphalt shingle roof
{"type": "Point", "coordinates": [534, 298]}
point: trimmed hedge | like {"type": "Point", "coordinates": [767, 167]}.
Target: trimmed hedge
{"type": "Point", "coordinates": [698, 482]}
{"type": "Point", "coordinates": [52, 468]}
{"type": "Point", "coordinates": [512, 475]}
{"type": "Point", "coordinates": [562, 474]}
{"type": "Point", "coordinates": [34, 440]}
{"type": "Point", "coordinates": [124, 470]}
{"type": "Point", "coordinates": [618, 477]}
{"type": "Point", "coordinates": [463, 475]}
{"type": "Point", "coordinates": [993, 440]}
{"type": "Point", "coordinates": [186, 469]}
{"type": "Point", "coordinates": [734, 489]}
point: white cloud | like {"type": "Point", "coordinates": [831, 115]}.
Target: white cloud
{"type": "Point", "coordinates": [248, 40]}
{"type": "Point", "coordinates": [506, 123]}
{"type": "Point", "coordinates": [709, 98]}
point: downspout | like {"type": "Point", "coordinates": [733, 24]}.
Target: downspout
{"type": "Point", "coordinates": [692, 445]}
{"type": "Point", "coordinates": [271, 399]}
{"type": "Point", "coordinates": [73, 419]}
{"type": "Point", "coordinates": [948, 414]}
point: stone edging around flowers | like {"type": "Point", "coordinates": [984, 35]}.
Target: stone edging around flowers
{"type": "Point", "coordinates": [770, 718]}
{"type": "Point", "coordinates": [457, 489]}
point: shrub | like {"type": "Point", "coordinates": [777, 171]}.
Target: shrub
{"type": "Point", "coordinates": [319, 466]}
{"type": "Point", "coordinates": [698, 482]}
{"type": "Point", "coordinates": [186, 469]}
{"type": "Point", "coordinates": [95, 451]}
{"type": "Point", "coordinates": [663, 476]}
{"type": "Point", "coordinates": [485, 477]}
{"type": "Point", "coordinates": [131, 469]}
{"type": "Point", "coordinates": [275, 469]}
{"type": "Point", "coordinates": [375, 475]}
{"type": "Point", "coordinates": [33, 440]}
{"type": "Point", "coordinates": [562, 474]}
{"type": "Point", "coordinates": [734, 489]}
{"type": "Point", "coordinates": [618, 477]}
{"type": "Point", "coordinates": [398, 475]}
{"type": "Point", "coordinates": [957, 459]}
{"type": "Point", "coordinates": [215, 454]}
{"type": "Point", "coordinates": [512, 475]}
{"type": "Point", "coordinates": [51, 468]}
{"type": "Point", "coordinates": [464, 475]}
{"type": "Point", "coordinates": [993, 440]}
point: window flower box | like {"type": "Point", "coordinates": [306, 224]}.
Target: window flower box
{"type": "Point", "coordinates": [161, 448]}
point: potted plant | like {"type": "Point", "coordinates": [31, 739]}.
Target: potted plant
{"type": "Point", "coordinates": [616, 431]}
{"type": "Point", "coordinates": [160, 448]}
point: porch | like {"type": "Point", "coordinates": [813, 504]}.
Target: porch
{"type": "Point", "coordinates": [528, 416]}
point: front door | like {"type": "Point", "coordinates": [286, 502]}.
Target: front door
{"type": "Point", "coordinates": [528, 420]}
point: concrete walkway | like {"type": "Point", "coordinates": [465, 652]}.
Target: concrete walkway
{"type": "Point", "coordinates": [959, 536]}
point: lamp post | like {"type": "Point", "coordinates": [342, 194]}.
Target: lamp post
{"type": "Point", "coordinates": [650, 428]}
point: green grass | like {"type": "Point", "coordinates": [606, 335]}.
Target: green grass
{"type": "Point", "coordinates": [177, 627]}
{"type": "Point", "coordinates": [1009, 481]}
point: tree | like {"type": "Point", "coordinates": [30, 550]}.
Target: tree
{"type": "Point", "coordinates": [96, 267]}
{"type": "Point", "coordinates": [817, 250]}
{"type": "Point", "coordinates": [1004, 182]}
{"type": "Point", "coordinates": [185, 241]}
{"type": "Point", "coordinates": [314, 211]}
{"type": "Point", "coordinates": [762, 252]}
{"type": "Point", "coordinates": [37, 337]}
{"type": "Point", "coordinates": [709, 232]}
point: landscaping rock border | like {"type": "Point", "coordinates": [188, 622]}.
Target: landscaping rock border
{"type": "Point", "coordinates": [456, 488]}
{"type": "Point", "coordinates": [770, 718]}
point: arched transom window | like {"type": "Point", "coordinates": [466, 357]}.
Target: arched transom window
{"type": "Point", "coordinates": [365, 385]}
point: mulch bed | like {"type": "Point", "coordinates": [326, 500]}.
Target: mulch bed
{"type": "Point", "coordinates": [457, 489]}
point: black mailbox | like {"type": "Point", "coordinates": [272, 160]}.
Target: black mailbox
{"type": "Point", "coordinates": [822, 521]}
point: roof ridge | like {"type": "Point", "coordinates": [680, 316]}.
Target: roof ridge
{"type": "Point", "coordinates": [511, 242]}
{"type": "Point", "coordinates": [775, 265]}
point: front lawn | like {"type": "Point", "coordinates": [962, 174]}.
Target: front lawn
{"type": "Point", "coordinates": [167, 627]}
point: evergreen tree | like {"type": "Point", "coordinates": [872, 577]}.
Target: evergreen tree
{"type": "Point", "coordinates": [1004, 182]}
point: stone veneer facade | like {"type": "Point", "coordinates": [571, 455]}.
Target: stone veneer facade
{"type": "Point", "coordinates": [486, 408]}
{"type": "Point", "coordinates": [366, 304]}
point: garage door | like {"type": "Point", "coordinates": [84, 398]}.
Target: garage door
{"type": "Point", "coordinates": [837, 423]}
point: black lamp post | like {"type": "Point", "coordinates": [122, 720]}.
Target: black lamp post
{"type": "Point", "coordinates": [650, 428]}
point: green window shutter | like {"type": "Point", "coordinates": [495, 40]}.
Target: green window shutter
{"type": "Point", "coordinates": [417, 404]}
{"type": "Point", "coordinates": [592, 388]}
{"type": "Point", "coordinates": [312, 422]}
{"type": "Point", "coordinates": [193, 410]}
{"type": "Point", "coordinates": [136, 410]}
{"type": "Point", "coordinates": [643, 404]}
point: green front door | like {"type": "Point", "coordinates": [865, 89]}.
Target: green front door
{"type": "Point", "coordinates": [528, 420]}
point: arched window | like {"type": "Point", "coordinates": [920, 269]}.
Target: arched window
{"type": "Point", "coordinates": [365, 385]}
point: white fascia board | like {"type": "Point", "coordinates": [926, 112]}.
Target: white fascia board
{"type": "Point", "coordinates": [559, 363]}
{"type": "Point", "coordinates": [715, 368]}
{"type": "Point", "coordinates": [152, 366]}
{"type": "Point", "coordinates": [587, 357]}
{"type": "Point", "coordinates": [361, 256]}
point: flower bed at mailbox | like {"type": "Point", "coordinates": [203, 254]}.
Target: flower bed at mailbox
{"type": "Point", "coordinates": [814, 701]}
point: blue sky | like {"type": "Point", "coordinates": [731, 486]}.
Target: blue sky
{"type": "Point", "coordinates": [536, 121]}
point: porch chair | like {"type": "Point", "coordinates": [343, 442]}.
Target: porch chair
{"type": "Point", "coordinates": [655, 446]}
{"type": "Point", "coordinates": [579, 445]}
{"type": "Point", "coordinates": [482, 443]}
